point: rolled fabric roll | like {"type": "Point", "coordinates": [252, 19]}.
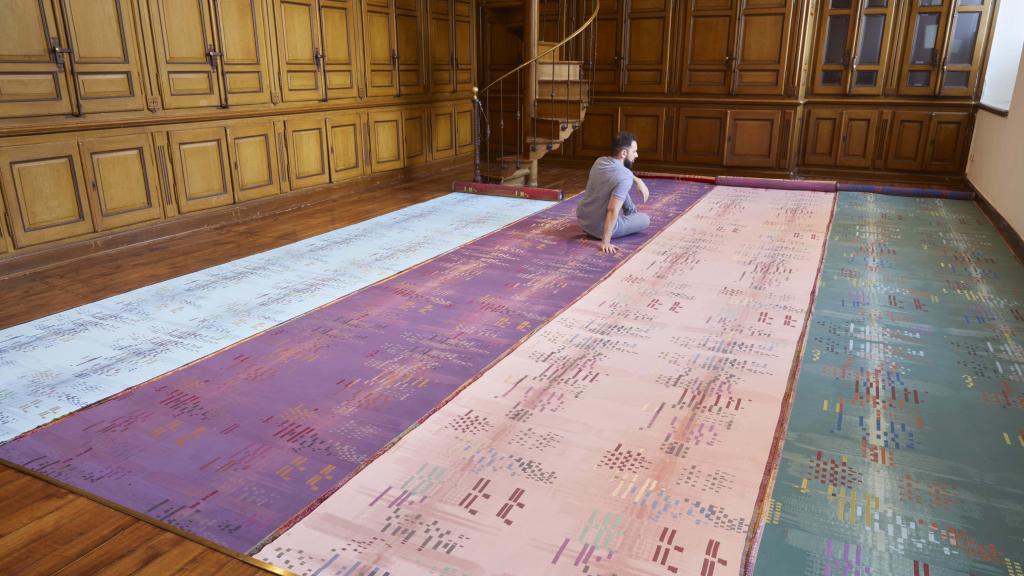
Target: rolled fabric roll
{"type": "Point", "coordinates": [908, 191]}
{"type": "Point", "coordinates": [777, 183]}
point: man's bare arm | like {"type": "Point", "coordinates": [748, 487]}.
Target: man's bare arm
{"type": "Point", "coordinates": [642, 188]}
{"type": "Point", "coordinates": [610, 217]}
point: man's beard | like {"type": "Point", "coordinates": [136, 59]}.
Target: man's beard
{"type": "Point", "coordinates": [627, 163]}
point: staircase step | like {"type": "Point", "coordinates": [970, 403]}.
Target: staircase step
{"type": "Point", "coordinates": [562, 70]}
{"type": "Point", "coordinates": [554, 128]}
{"type": "Point", "coordinates": [561, 109]}
{"type": "Point", "coordinates": [578, 89]}
{"type": "Point", "coordinates": [539, 147]}
{"type": "Point", "coordinates": [544, 47]}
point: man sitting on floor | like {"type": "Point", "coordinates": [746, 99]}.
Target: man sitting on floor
{"type": "Point", "coordinates": [606, 210]}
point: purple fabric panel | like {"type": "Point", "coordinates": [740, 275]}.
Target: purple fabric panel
{"type": "Point", "coordinates": [748, 182]}
{"type": "Point", "coordinates": [238, 444]}
{"type": "Point", "coordinates": [913, 192]}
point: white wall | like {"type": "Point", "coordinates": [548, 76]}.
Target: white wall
{"type": "Point", "coordinates": [996, 163]}
{"type": "Point", "coordinates": [1005, 55]}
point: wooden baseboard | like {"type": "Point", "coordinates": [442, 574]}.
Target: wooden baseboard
{"type": "Point", "coordinates": [1012, 237]}
{"type": "Point", "coordinates": [38, 257]}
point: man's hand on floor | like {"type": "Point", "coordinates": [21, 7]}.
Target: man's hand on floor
{"type": "Point", "coordinates": [609, 248]}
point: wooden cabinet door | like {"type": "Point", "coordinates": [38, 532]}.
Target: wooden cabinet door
{"type": "Point", "coordinates": [409, 35]}
{"type": "Point", "coordinates": [648, 124]}
{"type": "Point", "coordinates": [923, 46]}
{"type": "Point", "coordinates": [708, 46]}
{"type": "Point", "coordinates": [345, 130]}
{"type": "Point", "coordinates": [307, 152]}
{"type": "Point", "coordinates": [442, 72]}
{"type": "Point", "coordinates": [201, 168]}
{"type": "Point", "coordinates": [821, 142]}
{"type": "Point", "coordinates": [32, 83]}
{"type": "Point", "coordinates": [385, 140]}
{"type": "Point", "coordinates": [834, 46]}
{"type": "Point", "coordinates": [442, 131]}
{"type": "Point", "coordinates": [254, 160]}
{"type": "Point", "coordinates": [752, 138]}
{"type": "Point", "coordinates": [857, 145]}
{"type": "Point", "coordinates": [908, 138]}
{"type": "Point", "coordinates": [947, 141]}
{"type": "Point", "coordinates": [463, 31]}
{"type": "Point", "coordinates": [646, 26]}
{"type": "Point", "coordinates": [184, 36]}
{"type": "Point", "coordinates": [463, 127]}
{"type": "Point", "coordinates": [104, 54]}
{"type": "Point", "coordinates": [414, 136]}
{"type": "Point", "coordinates": [700, 137]}
{"type": "Point", "coordinates": [45, 193]}
{"type": "Point", "coordinates": [873, 47]}
{"type": "Point", "coordinates": [240, 35]}
{"type": "Point", "coordinates": [763, 46]}
{"type": "Point", "coordinates": [596, 133]}
{"type": "Point", "coordinates": [380, 53]}
{"type": "Point", "coordinates": [965, 48]}
{"type": "Point", "coordinates": [608, 49]}
{"type": "Point", "coordinates": [299, 51]}
{"type": "Point", "coordinates": [340, 47]}
{"type": "Point", "coordinates": [122, 177]}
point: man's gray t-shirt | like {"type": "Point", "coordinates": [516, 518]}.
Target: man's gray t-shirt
{"type": "Point", "coordinates": [608, 177]}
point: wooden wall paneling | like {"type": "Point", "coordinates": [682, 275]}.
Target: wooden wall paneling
{"type": "Point", "coordinates": [926, 28]}
{"type": "Point", "coordinates": [44, 191]}
{"type": "Point", "coordinates": [306, 139]}
{"type": "Point", "coordinates": [5, 219]}
{"type": "Point", "coordinates": [463, 127]}
{"type": "Point", "coordinates": [833, 48]}
{"type": "Point", "coordinates": [442, 57]}
{"type": "Point", "coordinates": [255, 166]}
{"type": "Point", "coordinates": [380, 51]}
{"type": "Point", "coordinates": [908, 138]}
{"type": "Point", "coordinates": [647, 26]}
{"type": "Point", "coordinates": [123, 181]}
{"type": "Point", "coordinates": [410, 39]}
{"type": "Point", "coordinates": [340, 47]}
{"type": "Point", "coordinates": [245, 55]}
{"type": "Point", "coordinates": [789, 128]}
{"type": "Point", "coordinates": [415, 139]}
{"type": "Point", "coordinates": [105, 62]}
{"type": "Point", "coordinates": [857, 145]}
{"type": "Point", "coordinates": [188, 75]}
{"type": "Point", "coordinates": [594, 137]}
{"type": "Point", "coordinates": [965, 48]}
{"type": "Point", "coordinates": [700, 135]}
{"type": "Point", "coordinates": [873, 49]}
{"type": "Point", "coordinates": [762, 51]}
{"type": "Point", "coordinates": [709, 47]}
{"type": "Point", "coordinates": [202, 174]}
{"type": "Point", "coordinates": [608, 56]}
{"type": "Point", "coordinates": [300, 54]}
{"type": "Point", "coordinates": [442, 131]}
{"type": "Point", "coordinates": [162, 159]}
{"type": "Point", "coordinates": [147, 55]}
{"type": "Point", "coordinates": [649, 125]}
{"type": "Point", "coordinates": [752, 138]}
{"type": "Point", "coordinates": [463, 31]}
{"type": "Point", "coordinates": [947, 141]}
{"type": "Point", "coordinates": [821, 137]}
{"type": "Point", "coordinates": [32, 83]}
{"type": "Point", "coordinates": [385, 127]}
{"type": "Point", "coordinates": [345, 130]}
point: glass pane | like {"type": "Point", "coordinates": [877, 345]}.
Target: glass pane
{"type": "Point", "coordinates": [866, 78]}
{"type": "Point", "coordinates": [957, 79]}
{"type": "Point", "coordinates": [871, 29]}
{"type": "Point", "coordinates": [972, 2]}
{"type": "Point", "coordinates": [835, 39]}
{"type": "Point", "coordinates": [832, 77]}
{"type": "Point", "coordinates": [965, 34]}
{"type": "Point", "coordinates": [924, 39]}
{"type": "Point", "coordinates": [918, 78]}
{"type": "Point", "coordinates": [930, 3]}
{"type": "Point", "coordinates": [878, 3]}
{"type": "Point", "coordinates": [840, 4]}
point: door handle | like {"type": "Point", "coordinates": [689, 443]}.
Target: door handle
{"type": "Point", "coordinates": [318, 58]}
{"type": "Point", "coordinates": [212, 54]}
{"type": "Point", "coordinates": [59, 52]}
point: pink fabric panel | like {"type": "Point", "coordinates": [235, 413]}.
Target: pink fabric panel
{"type": "Point", "coordinates": [628, 436]}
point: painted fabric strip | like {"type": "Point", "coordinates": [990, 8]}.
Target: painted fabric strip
{"type": "Point", "coordinates": [628, 436]}
{"type": "Point", "coordinates": [58, 364]}
{"type": "Point", "coordinates": [232, 447]}
{"type": "Point", "coordinates": [905, 448]}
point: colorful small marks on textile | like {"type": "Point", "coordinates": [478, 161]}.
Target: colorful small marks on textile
{"type": "Point", "coordinates": [628, 436]}
{"type": "Point", "coordinates": [905, 448]}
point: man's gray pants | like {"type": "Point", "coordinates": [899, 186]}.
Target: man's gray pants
{"type": "Point", "coordinates": [631, 224]}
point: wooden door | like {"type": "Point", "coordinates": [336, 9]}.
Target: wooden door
{"type": "Point", "coordinates": [873, 47]}
{"type": "Point", "coordinates": [32, 81]}
{"type": "Point", "coordinates": [240, 35]}
{"type": "Point", "coordinates": [923, 46]}
{"type": "Point", "coordinates": [442, 57]}
{"type": "Point", "coordinates": [409, 36]}
{"type": "Point", "coordinates": [307, 152]}
{"type": "Point", "coordinates": [45, 193]}
{"type": "Point", "coordinates": [105, 58]}
{"type": "Point", "coordinates": [947, 141]}
{"type": "Point", "coordinates": [752, 138]}
{"type": "Point", "coordinates": [700, 136]}
{"type": "Point", "coordinates": [442, 131]}
{"type": "Point", "coordinates": [646, 26]}
{"type": "Point", "coordinates": [254, 160]}
{"type": "Point", "coordinates": [340, 47]}
{"type": "Point", "coordinates": [463, 127]}
{"type": "Point", "coordinates": [463, 31]}
{"type": "Point", "coordinates": [821, 142]}
{"type": "Point", "coordinates": [908, 139]}
{"type": "Point", "coordinates": [834, 46]}
{"type": "Point", "coordinates": [379, 49]}
{"type": "Point", "coordinates": [608, 50]}
{"type": "Point", "coordinates": [189, 77]}
{"type": "Point", "coordinates": [345, 130]}
{"type": "Point", "coordinates": [201, 168]}
{"type": "Point", "coordinates": [708, 47]}
{"type": "Point", "coordinates": [122, 178]}
{"type": "Point", "coordinates": [595, 134]}
{"type": "Point", "coordinates": [965, 48]}
{"type": "Point", "coordinates": [649, 125]}
{"type": "Point", "coordinates": [299, 51]}
{"type": "Point", "coordinates": [414, 136]}
{"type": "Point", "coordinates": [763, 46]}
{"type": "Point", "coordinates": [385, 140]}
{"type": "Point", "coordinates": [857, 145]}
